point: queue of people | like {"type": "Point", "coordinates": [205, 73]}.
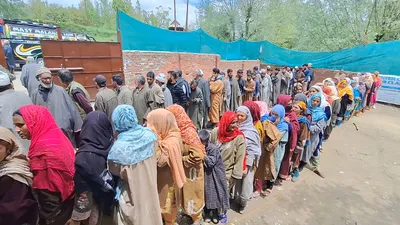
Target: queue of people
{"type": "Point", "coordinates": [200, 147]}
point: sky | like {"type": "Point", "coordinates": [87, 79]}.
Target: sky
{"type": "Point", "coordinates": [152, 4]}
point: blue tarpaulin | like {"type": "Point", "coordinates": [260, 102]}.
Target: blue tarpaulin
{"type": "Point", "coordinates": [136, 35]}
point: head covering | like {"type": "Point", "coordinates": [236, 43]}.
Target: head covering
{"type": "Point", "coordinates": [42, 70]}
{"type": "Point", "coordinates": [327, 91]}
{"type": "Point", "coordinates": [300, 97]}
{"type": "Point", "coordinates": [263, 107]}
{"type": "Point", "coordinates": [329, 81]}
{"type": "Point", "coordinates": [4, 79]}
{"type": "Point", "coordinates": [51, 155]}
{"type": "Point", "coordinates": [253, 144]}
{"type": "Point", "coordinates": [199, 72]}
{"type": "Point", "coordinates": [161, 78]}
{"type": "Point", "coordinates": [163, 124]}
{"type": "Point", "coordinates": [346, 90]}
{"type": "Point", "coordinates": [96, 134]}
{"type": "Point", "coordinates": [134, 143]}
{"type": "Point", "coordinates": [283, 100]}
{"type": "Point", "coordinates": [324, 102]}
{"type": "Point", "coordinates": [302, 105]}
{"type": "Point", "coordinates": [91, 159]}
{"type": "Point", "coordinates": [15, 165]}
{"type": "Point", "coordinates": [100, 79]}
{"type": "Point", "coordinates": [188, 129]}
{"type": "Point", "coordinates": [254, 110]}
{"type": "Point", "coordinates": [226, 120]}
{"type": "Point", "coordinates": [282, 125]}
{"type": "Point", "coordinates": [317, 113]}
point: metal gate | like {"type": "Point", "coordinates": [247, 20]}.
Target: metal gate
{"type": "Point", "coordinates": [84, 59]}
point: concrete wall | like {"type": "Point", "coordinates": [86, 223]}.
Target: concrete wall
{"type": "Point", "coordinates": [137, 62]}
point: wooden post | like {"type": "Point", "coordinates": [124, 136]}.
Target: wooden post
{"type": "Point", "coordinates": [59, 34]}
{"type": "Point", "coordinates": [175, 14]}
{"type": "Point", "coordinates": [187, 15]}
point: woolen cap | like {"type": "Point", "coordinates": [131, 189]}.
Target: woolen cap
{"type": "Point", "coordinates": [161, 78]}
{"type": "Point", "coordinates": [4, 79]}
{"type": "Point", "coordinates": [42, 70]}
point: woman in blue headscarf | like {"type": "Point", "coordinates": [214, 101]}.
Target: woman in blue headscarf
{"type": "Point", "coordinates": [318, 123]}
{"type": "Point", "coordinates": [277, 117]}
{"type": "Point", "coordinates": [133, 159]}
{"type": "Point", "coordinates": [244, 187]}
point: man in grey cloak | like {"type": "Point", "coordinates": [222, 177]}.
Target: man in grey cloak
{"type": "Point", "coordinates": [266, 87]}
{"type": "Point", "coordinates": [195, 104]}
{"type": "Point", "coordinates": [235, 91]}
{"type": "Point", "coordinates": [276, 82]}
{"type": "Point", "coordinates": [205, 90]}
{"type": "Point", "coordinates": [59, 103]}
{"type": "Point", "coordinates": [28, 75]}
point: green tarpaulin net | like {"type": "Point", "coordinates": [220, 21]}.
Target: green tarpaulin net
{"type": "Point", "coordinates": [135, 35]}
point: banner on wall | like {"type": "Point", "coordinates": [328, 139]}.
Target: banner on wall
{"type": "Point", "coordinates": [390, 90]}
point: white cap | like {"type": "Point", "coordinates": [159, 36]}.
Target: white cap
{"type": "Point", "coordinates": [161, 78]}
{"type": "Point", "coordinates": [4, 79]}
{"type": "Point", "coordinates": [199, 72]}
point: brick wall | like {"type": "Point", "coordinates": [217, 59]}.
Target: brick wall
{"type": "Point", "coordinates": [137, 62]}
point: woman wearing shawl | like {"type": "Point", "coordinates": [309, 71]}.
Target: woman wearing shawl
{"type": "Point", "coordinates": [362, 87]}
{"type": "Point", "coordinates": [263, 107]}
{"type": "Point", "coordinates": [277, 116]}
{"type": "Point", "coordinates": [303, 137]}
{"type": "Point", "coordinates": [370, 89]}
{"type": "Point", "coordinates": [255, 112]}
{"type": "Point", "coordinates": [357, 98]}
{"type": "Point", "coordinates": [17, 204]}
{"type": "Point", "coordinates": [318, 123]}
{"type": "Point", "coordinates": [216, 188]}
{"type": "Point", "coordinates": [133, 159]}
{"type": "Point", "coordinates": [51, 159]}
{"type": "Point", "coordinates": [244, 187]}
{"type": "Point", "coordinates": [331, 91]}
{"type": "Point", "coordinates": [170, 170]}
{"type": "Point", "coordinates": [346, 99]}
{"type": "Point", "coordinates": [230, 140]}
{"type": "Point", "coordinates": [328, 82]}
{"type": "Point", "coordinates": [377, 84]}
{"type": "Point", "coordinates": [92, 193]}
{"type": "Point", "coordinates": [294, 128]}
{"type": "Point", "coordinates": [324, 103]}
{"type": "Point", "coordinates": [193, 158]}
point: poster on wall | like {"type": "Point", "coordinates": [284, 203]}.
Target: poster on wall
{"type": "Point", "coordinates": [390, 90]}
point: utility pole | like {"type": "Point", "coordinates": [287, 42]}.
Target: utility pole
{"type": "Point", "coordinates": [175, 14]}
{"type": "Point", "coordinates": [187, 15]}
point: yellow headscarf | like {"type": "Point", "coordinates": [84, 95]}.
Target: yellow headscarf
{"type": "Point", "coordinates": [347, 90]}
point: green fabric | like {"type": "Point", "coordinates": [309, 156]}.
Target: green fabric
{"type": "Point", "coordinates": [136, 35]}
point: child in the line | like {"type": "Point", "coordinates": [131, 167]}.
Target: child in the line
{"type": "Point", "coordinates": [216, 188]}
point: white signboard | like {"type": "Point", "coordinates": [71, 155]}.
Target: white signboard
{"type": "Point", "coordinates": [390, 90]}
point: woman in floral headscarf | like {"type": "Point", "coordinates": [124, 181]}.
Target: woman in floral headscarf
{"type": "Point", "coordinates": [193, 160]}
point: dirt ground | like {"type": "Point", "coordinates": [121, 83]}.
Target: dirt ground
{"type": "Point", "coordinates": [362, 169]}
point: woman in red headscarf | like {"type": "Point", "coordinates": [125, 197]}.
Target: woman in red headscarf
{"type": "Point", "coordinates": [51, 159]}
{"type": "Point", "coordinates": [193, 160]}
{"type": "Point", "coordinates": [232, 144]}
{"type": "Point", "coordinates": [291, 118]}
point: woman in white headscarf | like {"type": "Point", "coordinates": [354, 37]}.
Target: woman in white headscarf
{"type": "Point", "coordinates": [244, 187]}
